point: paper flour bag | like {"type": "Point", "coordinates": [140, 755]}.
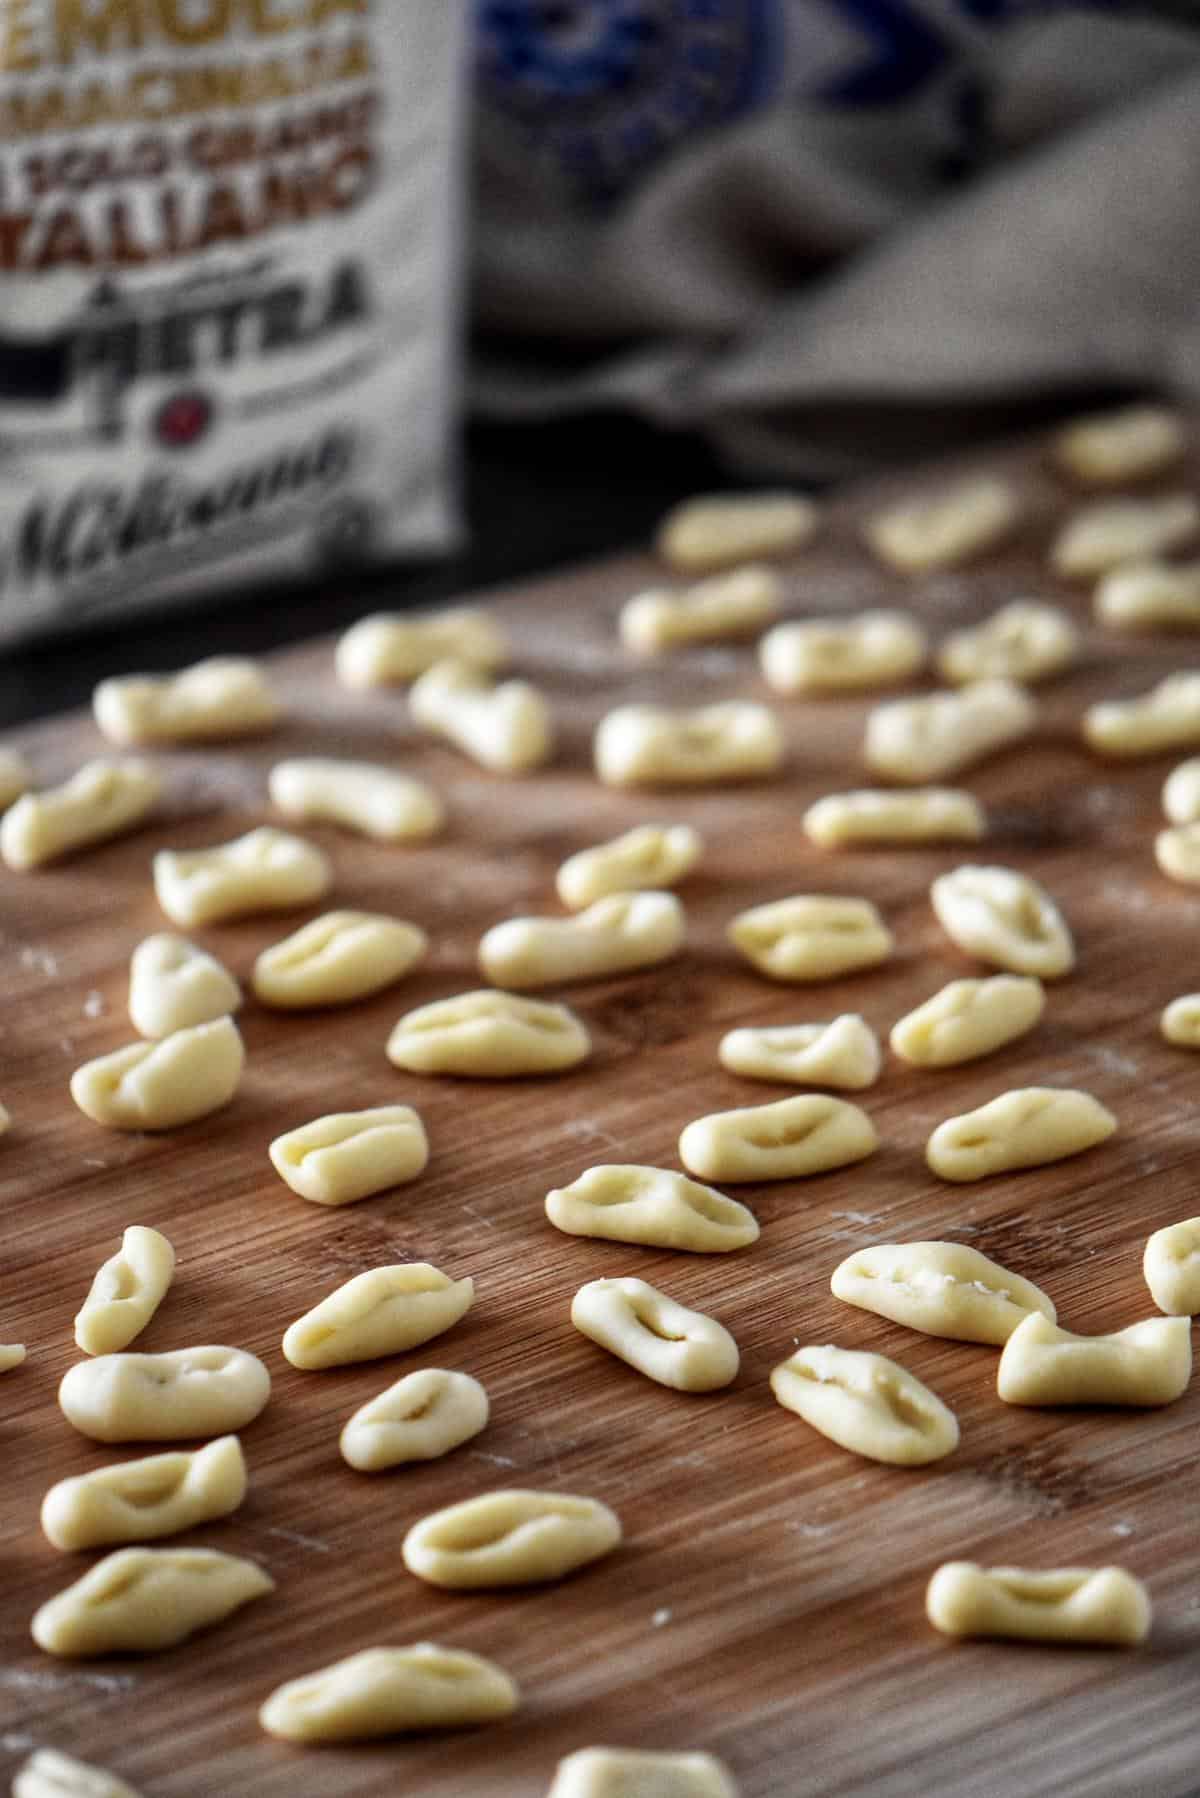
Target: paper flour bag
{"type": "Point", "coordinates": [228, 268]}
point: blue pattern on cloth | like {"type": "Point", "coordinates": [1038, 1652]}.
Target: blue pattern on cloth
{"type": "Point", "coordinates": [606, 89]}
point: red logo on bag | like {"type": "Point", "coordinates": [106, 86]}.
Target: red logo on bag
{"type": "Point", "coordinates": [183, 420]}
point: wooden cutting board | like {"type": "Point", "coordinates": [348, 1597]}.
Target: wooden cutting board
{"type": "Point", "coordinates": [767, 1601]}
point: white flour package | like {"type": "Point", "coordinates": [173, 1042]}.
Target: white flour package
{"type": "Point", "coordinates": [228, 273]}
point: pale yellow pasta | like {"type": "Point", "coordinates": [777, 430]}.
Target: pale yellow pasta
{"type": "Point", "coordinates": [1025, 1128]}
{"type": "Point", "coordinates": [1177, 852]}
{"type": "Point", "coordinates": [967, 1019]}
{"type": "Point", "coordinates": [785, 1141]}
{"type": "Point", "coordinates": [265, 870]}
{"type": "Point", "coordinates": [12, 1354]}
{"type": "Point", "coordinates": [656, 1335]}
{"type": "Point", "coordinates": [208, 1391]}
{"type": "Point", "coordinates": [1148, 1364]}
{"type": "Point", "coordinates": [223, 697]}
{"type": "Point", "coordinates": [1180, 1021]}
{"type": "Point", "coordinates": [1181, 793]}
{"type": "Point", "coordinates": [513, 1537]}
{"type": "Point", "coordinates": [1023, 641]}
{"type": "Point", "coordinates": [165, 1084]}
{"type": "Point", "coordinates": [104, 798]}
{"type": "Point", "coordinates": [648, 857]}
{"type": "Point", "coordinates": [640, 1773]}
{"type": "Point", "coordinates": [867, 1404]}
{"type": "Point", "coordinates": [946, 528]}
{"type": "Point", "coordinates": [1006, 918]}
{"type": "Point", "coordinates": [843, 1053]}
{"type": "Point", "coordinates": [921, 815]}
{"type": "Point", "coordinates": [173, 985]}
{"type": "Point", "coordinates": [365, 797]}
{"type": "Point", "coordinates": [1104, 1606]}
{"type": "Point", "coordinates": [49, 1774]}
{"type": "Point", "coordinates": [144, 1600]}
{"type": "Point", "coordinates": [1167, 717]}
{"type": "Point", "coordinates": [653, 1206]}
{"type": "Point", "coordinates": [349, 1155]}
{"type": "Point", "coordinates": [715, 530]}
{"type": "Point", "coordinates": [381, 1312]}
{"type": "Point", "coordinates": [1149, 596]}
{"type": "Point", "coordinates": [489, 1036]}
{"type": "Point", "coordinates": [419, 1418]}
{"type": "Point", "coordinates": [16, 776]}
{"type": "Point", "coordinates": [507, 728]}
{"type": "Point", "coordinates": [939, 1288]}
{"type": "Point", "coordinates": [387, 1692]}
{"type": "Point", "coordinates": [939, 734]}
{"type": "Point", "coordinates": [811, 936]}
{"type": "Point", "coordinates": [725, 605]}
{"type": "Point", "coordinates": [1171, 1268]}
{"type": "Point", "coordinates": [1124, 445]}
{"type": "Point", "coordinates": [337, 958]}
{"type": "Point", "coordinates": [387, 648]}
{"type": "Point", "coordinates": [842, 655]}
{"type": "Point", "coordinates": [126, 1292]}
{"type": "Point", "coordinates": [613, 936]}
{"type": "Point", "coordinates": [648, 746]}
{"type": "Point", "coordinates": [1110, 532]}
{"type": "Point", "coordinates": [137, 1501]}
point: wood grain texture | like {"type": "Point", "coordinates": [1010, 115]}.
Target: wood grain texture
{"type": "Point", "coordinates": [767, 1603]}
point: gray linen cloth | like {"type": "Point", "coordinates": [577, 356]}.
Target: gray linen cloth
{"type": "Point", "coordinates": [823, 287]}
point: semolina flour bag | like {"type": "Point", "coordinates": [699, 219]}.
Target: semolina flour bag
{"type": "Point", "coordinates": [228, 258]}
